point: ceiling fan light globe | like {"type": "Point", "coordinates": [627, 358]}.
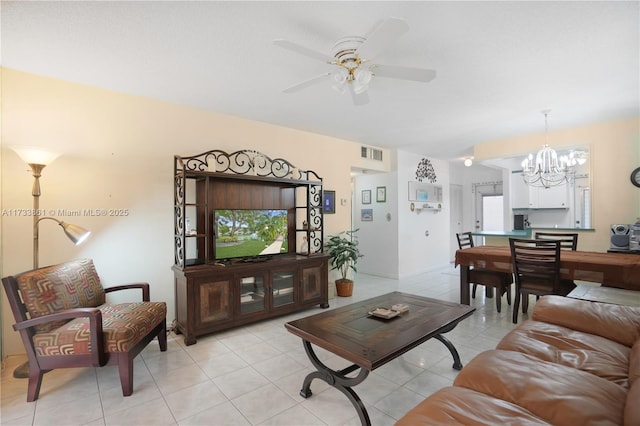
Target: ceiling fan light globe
{"type": "Point", "coordinates": [363, 76]}
{"type": "Point", "coordinates": [340, 76]}
{"type": "Point", "coordinates": [359, 88]}
{"type": "Point", "coordinates": [340, 88]}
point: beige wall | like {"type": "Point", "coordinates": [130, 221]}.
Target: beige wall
{"type": "Point", "coordinates": [614, 153]}
{"type": "Point", "coordinates": [117, 153]}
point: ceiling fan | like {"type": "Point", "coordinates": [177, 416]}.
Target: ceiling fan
{"type": "Point", "coordinates": [351, 56]}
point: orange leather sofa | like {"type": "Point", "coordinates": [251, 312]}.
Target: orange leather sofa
{"type": "Point", "coordinates": [573, 363]}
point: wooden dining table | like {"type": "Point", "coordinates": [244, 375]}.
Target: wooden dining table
{"type": "Point", "coordinates": [619, 270]}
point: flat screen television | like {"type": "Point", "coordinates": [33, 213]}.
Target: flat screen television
{"type": "Point", "coordinates": [250, 233]}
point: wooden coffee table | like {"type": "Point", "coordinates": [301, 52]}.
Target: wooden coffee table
{"type": "Point", "coordinates": [370, 342]}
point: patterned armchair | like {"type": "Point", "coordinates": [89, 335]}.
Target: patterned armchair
{"type": "Point", "coordinates": [64, 322]}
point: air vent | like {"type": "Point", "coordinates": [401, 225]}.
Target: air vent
{"type": "Point", "coordinates": [371, 153]}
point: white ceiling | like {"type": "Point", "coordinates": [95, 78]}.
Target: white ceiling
{"type": "Point", "coordinates": [498, 63]}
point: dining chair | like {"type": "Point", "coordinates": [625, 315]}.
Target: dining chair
{"type": "Point", "coordinates": [536, 269]}
{"type": "Point", "coordinates": [501, 281]}
{"type": "Point", "coordinates": [568, 241]}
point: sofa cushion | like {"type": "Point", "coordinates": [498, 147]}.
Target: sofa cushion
{"type": "Point", "coordinates": [632, 409]}
{"type": "Point", "coordinates": [556, 393]}
{"type": "Point", "coordinates": [615, 322]}
{"type": "Point", "coordinates": [587, 352]}
{"type": "Point", "coordinates": [123, 326]}
{"type": "Point", "coordinates": [455, 405]}
{"type": "Point", "coordinates": [55, 288]}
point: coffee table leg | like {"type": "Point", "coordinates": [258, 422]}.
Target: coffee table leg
{"type": "Point", "coordinates": [338, 380]}
{"type": "Point", "coordinates": [457, 364]}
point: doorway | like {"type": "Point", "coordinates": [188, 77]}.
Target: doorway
{"type": "Point", "coordinates": [489, 207]}
{"type": "Point", "coordinates": [492, 213]}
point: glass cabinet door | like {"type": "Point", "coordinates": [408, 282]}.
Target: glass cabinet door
{"type": "Point", "coordinates": [282, 284]}
{"type": "Point", "coordinates": [252, 294]}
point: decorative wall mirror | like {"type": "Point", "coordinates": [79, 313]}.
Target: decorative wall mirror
{"type": "Point", "coordinates": [424, 192]}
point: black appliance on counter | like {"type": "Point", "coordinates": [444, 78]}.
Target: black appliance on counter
{"type": "Point", "coordinates": [520, 222]}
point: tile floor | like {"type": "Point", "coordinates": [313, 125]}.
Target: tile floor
{"type": "Point", "coordinates": [252, 375]}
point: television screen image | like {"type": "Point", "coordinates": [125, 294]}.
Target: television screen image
{"type": "Point", "coordinates": [246, 233]}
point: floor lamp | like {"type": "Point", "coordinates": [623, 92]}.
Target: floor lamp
{"type": "Point", "coordinates": [38, 159]}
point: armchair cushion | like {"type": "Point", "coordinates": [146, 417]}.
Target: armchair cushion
{"type": "Point", "coordinates": [55, 288]}
{"type": "Point", "coordinates": [123, 326]}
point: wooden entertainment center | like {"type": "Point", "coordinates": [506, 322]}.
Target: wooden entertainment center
{"type": "Point", "coordinates": [214, 294]}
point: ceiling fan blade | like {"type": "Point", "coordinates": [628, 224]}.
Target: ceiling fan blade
{"type": "Point", "coordinates": [307, 83]}
{"type": "Point", "coordinates": [403, 73]}
{"type": "Point", "coordinates": [303, 50]}
{"type": "Point", "coordinates": [359, 99]}
{"type": "Point", "coordinates": [382, 36]}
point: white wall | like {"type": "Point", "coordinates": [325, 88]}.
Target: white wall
{"type": "Point", "coordinates": [398, 247]}
{"type": "Point", "coordinates": [378, 238]}
{"type": "Point", "coordinates": [417, 252]}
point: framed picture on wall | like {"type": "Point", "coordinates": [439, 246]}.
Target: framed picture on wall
{"type": "Point", "coordinates": [381, 194]}
{"type": "Point", "coordinates": [366, 215]}
{"type": "Point", "coordinates": [366, 196]}
{"type": "Point", "coordinates": [328, 202]}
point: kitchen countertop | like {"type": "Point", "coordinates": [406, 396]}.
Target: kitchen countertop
{"type": "Point", "coordinates": [526, 233]}
{"type": "Point", "coordinates": [511, 234]}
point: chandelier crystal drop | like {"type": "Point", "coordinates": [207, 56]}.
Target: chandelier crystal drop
{"type": "Point", "coordinates": [548, 169]}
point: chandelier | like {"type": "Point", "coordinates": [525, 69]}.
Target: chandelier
{"type": "Point", "coordinates": [548, 169]}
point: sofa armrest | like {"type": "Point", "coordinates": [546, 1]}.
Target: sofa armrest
{"type": "Point", "coordinates": [143, 286]}
{"type": "Point", "coordinates": [614, 322]}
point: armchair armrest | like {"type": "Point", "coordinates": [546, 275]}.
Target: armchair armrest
{"type": "Point", "coordinates": [614, 322]}
{"type": "Point", "coordinates": [143, 286]}
{"type": "Point", "coordinates": [95, 328]}
{"type": "Point", "coordinates": [94, 315]}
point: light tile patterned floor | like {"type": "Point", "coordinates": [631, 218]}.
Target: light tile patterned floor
{"type": "Point", "coordinates": [252, 375]}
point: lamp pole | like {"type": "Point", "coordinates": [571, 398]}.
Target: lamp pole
{"type": "Point", "coordinates": [35, 191]}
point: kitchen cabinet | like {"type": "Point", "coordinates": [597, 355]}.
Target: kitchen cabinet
{"type": "Point", "coordinates": [523, 196]}
{"type": "Point", "coordinates": [555, 197]}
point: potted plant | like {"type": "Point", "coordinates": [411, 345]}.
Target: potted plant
{"type": "Point", "coordinates": [343, 255]}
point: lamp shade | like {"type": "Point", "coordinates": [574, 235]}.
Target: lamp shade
{"type": "Point", "coordinates": [77, 234]}
{"type": "Point", "coordinates": [35, 155]}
